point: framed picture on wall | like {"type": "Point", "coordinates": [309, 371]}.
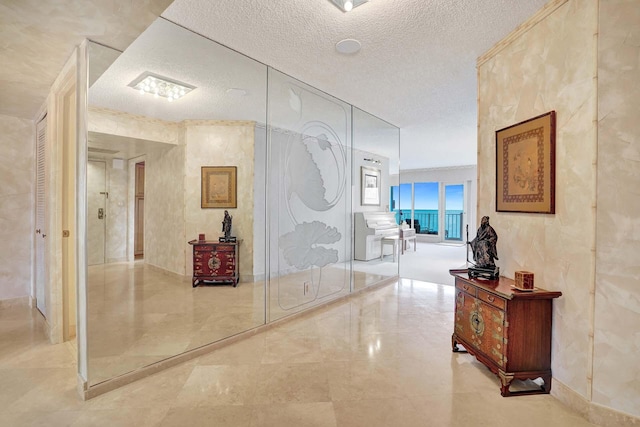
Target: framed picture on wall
{"type": "Point", "coordinates": [525, 166]}
{"type": "Point", "coordinates": [370, 194]}
{"type": "Point", "coordinates": [218, 188]}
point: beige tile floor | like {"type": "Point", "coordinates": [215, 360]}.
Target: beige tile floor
{"type": "Point", "coordinates": [139, 315]}
{"type": "Point", "coordinates": [382, 358]}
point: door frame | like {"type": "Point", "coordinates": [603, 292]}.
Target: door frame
{"type": "Point", "coordinates": [138, 219]}
{"type": "Point", "coordinates": [131, 199]}
{"type": "Point", "coordinates": [55, 198]}
{"type": "Point", "coordinates": [443, 212]}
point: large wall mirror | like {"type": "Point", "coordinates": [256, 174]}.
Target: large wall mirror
{"type": "Point", "coordinates": [310, 224]}
{"type": "Point", "coordinates": [146, 152]}
{"type": "Point", "coordinates": [298, 185]}
{"type": "Point", "coordinates": [376, 158]}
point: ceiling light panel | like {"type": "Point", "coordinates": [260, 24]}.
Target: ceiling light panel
{"type": "Point", "coordinates": [159, 86]}
{"type": "Point", "coordinates": [348, 5]}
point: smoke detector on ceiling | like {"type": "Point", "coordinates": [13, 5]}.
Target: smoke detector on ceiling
{"type": "Point", "coordinates": [348, 46]}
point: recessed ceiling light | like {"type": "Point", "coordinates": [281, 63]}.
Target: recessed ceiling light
{"type": "Point", "coordinates": [348, 46]}
{"type": "Point", "coordinates": [160, 86]}
{"type": "Point", "coordinates": [347, 5]}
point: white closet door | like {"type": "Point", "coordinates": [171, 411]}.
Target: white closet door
{"type": "Point", "coordinates": [41, 232]}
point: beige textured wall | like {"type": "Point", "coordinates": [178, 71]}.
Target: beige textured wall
{"type": "Point", "coordinates": [221, 143]}
{"type": "Point", "coordinates": [117, 183]}
{"type": "Point", "coordinates": [164, 210]}
{"type": "Point", "coordinates": [550, 66]}
{"type": "Point", "coordinates": [17, 142]}
{"type": "Point", "coordinates": [128, 125]}
{"type": "Point", "coordinates": [173, 214]}
{"type": "Point", "coordinates": [616, 372]}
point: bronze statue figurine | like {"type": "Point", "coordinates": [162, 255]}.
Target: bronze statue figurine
{"type": "Point", "coordinates": [484, 251]}
{"type": "Point", "coordinates": [226, 225]}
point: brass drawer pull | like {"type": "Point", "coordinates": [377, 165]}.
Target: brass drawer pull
{"type": "Point", "coordinates": [491, 299]}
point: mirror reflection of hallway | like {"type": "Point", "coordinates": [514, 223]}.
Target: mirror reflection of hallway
{"type": "Point", "coordinates": [138, 240]}
{"type": "Point", "coordinates": [143, 311]}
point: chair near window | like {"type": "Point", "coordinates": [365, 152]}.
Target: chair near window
{"type": "Point", "coordinates": [416, 224]}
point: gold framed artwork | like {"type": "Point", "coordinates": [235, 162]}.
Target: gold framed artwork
{"type": "Point", "coordinates": [218, 188]}
{"type": "Point", "coordinates": [370, 180]}
{"type": "Point", "coordinates": [525, 166]}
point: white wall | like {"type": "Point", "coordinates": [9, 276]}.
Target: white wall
{"type": "Point", "coordinates": [358, 163]}
{"type": "Point", "coordinates": [17, 175]}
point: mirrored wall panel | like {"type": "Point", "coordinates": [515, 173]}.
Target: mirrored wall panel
{"type": "Point", "coordinates": [309, 198]}
{"type": "Point", "coordinates": [212, 211]}
{"type": "Point", "coordinates": [379, 238]}
{"type": "Point", "coordinates": [177, 143]}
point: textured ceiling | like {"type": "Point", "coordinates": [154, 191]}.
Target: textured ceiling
{"type": "Point", "coordinates": [38, 37]}
{"type": "Point", "coordinates": [416, 68]}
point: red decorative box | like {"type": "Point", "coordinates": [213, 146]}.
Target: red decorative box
{"type": "Point", "coordinates": [524, 280]}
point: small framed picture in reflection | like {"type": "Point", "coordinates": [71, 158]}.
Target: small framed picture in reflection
{"type": "Point", "coordinates": [370, 186]}
{"type": "Point", "coordinates": [218, 187]}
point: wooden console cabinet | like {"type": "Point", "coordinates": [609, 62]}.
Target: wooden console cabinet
{"type": "Point", "coordinates": [506, 329]}
{"type": "Point", "coordinates": [215, 262]}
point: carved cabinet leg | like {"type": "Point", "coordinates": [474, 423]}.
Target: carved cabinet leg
{"type": "Point", "coordinates": [454, 344]}
{"type": "Point", "coordinates": [547, 383]}
{"type": "Point", "coordinates": [505, 380]}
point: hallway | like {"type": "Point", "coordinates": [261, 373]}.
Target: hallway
{"type": "Point", "coordinates": [381, 358]}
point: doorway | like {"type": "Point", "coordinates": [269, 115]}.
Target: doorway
{"type": "Point", "coordinates": [138, 239]}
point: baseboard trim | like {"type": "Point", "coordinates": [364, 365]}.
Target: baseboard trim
{"type": "Point", "coordinates": [592, 412]}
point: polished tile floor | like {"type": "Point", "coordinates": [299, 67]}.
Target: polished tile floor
{"type": "Point", "coordinates": [140, 315]}
{"type": "Point", "coordinates": [382, 358]}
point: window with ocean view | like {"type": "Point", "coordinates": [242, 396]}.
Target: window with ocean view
{"type": "Point", "coordinates": [426, 207]}
{"type": "Point", "coordinates": [454, 211]}
{"type": "Point", "coordinates": [428, 218]}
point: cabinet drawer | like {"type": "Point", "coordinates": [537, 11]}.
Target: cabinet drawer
{"type": "Point", "coordinates": [471, 290]}
{"type": "Point", "coordinates": [491, 299]}
{"type": "Point", "coordinates": [203, 248]}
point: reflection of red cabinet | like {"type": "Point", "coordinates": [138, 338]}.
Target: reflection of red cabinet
{"type": "Point", "coordinates": [215, 262]}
